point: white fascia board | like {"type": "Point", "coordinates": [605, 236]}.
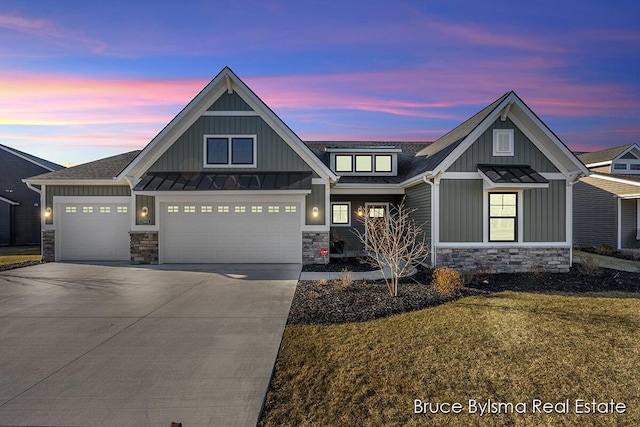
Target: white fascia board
{"type": "Point", "coordinates": [76, 182]}
{"type": "Point", "coordinates": [366, 189]}
{"type": "Point", "coordinates": [630, 196]}
{"type": "Point", "coordinates": [619, 180]}
{"type": "Point", "coordinates": [10, 151]}
{"type": "Point", "coordinates": [595, 165]}
{"type": "Point", "coordinates": [222, 193]}
{"type": "Point", "coordinates": [11, 202]}
{"type": "Point", "coordinates": [364, 149]}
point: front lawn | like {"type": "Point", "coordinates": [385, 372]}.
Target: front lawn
{"type": "Point", "coordinates": [11, 256]}
{"type": "Point", "coordinates": [508, 347]}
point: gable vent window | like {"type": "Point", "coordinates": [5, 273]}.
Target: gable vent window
{"type": "Point", "coordinates": [503, 142]}
{"type": "Point", "coordinates": [230, 151]}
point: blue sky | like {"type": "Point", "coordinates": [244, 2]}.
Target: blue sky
{"type": "Point", "coordinates": [84, 80]}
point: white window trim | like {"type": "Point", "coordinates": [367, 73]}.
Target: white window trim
{"type": "Point", "coordinates": [519, 216]}
{"type": "Point", "coordinates": [348, 223]}
{"type": "Point", "coordinates": [229, 165]}
{"type": "Point", "coordinates": [367, 205]}
{"type": "Point", "coordinates": [496, 136]}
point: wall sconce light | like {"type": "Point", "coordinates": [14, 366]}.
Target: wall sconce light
{"type": "Point", "coordinates": [144, 212]}
{"type": "Point", "coordinates": [360, 211]}
{"type": "Point", "coordinates": [315, 211]}
{"type": "Point", "coordinates": [47, 212]}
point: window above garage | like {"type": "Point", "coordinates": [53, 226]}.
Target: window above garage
{"type": "Point", "coordinates": [378, 161]}
{"type": "Point", "coordinates": [230, 151]}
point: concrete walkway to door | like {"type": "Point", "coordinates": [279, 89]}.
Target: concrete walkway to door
{"type": "Point", "coordinates": [116, 345]}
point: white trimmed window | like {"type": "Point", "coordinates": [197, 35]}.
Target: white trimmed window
{"type": "Point", "coordinates": [239, 209]}
{"type": "Point", "coordinates": [70, 209]}
{"type": "Point", "coordinates": [290, 209]}
{"type": "Point", "coordinates": [122, 209]}
{"type": "Point", "coordinates": [503, 217]}
{"type": "Point", "coordinates": [376, 211]}
{"type": "Point", "coordinates": [223, 209]}
{"type": "Point", "coordinates": [503, 142]}
{"type": "Point", "coordinates": [230, 151]}
{"type": "Point", "coordinates": [206, 209]}
{"type": "Point", "coordinates": [105, 209]}
{"type": "Point", "coordinates": [87, 209]}
{"type": "Point", "coordinates": [256, 209]}
{"type": "Point", "coordinates": [340, 213]}
{"type": "Point", "coordinates": [273, 209]}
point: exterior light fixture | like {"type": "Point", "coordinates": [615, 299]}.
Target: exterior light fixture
{"type": "Point", "coordinates": [47, 212]}
{"type": "Point", "coordinates": [360, 211]}
{"type": "Point", "coordinates": [144, 212]}
{"type": "Point", "coordinates": [315, 211]}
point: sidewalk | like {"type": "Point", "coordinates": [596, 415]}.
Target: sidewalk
{"type": "Point", "coordinates": [608, 262]}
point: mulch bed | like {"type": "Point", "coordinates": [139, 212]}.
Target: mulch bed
{"type": "Point", "coordinates": [606, 251]}
{"type": "Point", "coordinates": [324, 302]}
{"type": "Point", "coordinates": [338, 264]}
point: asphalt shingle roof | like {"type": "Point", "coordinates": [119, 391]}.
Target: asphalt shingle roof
{"type": "Point", "coordinates": [99, 169]}
{"type": "Point", "coordinates": [603, 155]}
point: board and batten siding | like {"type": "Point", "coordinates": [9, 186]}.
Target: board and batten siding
{"type": "Point", "coordinates": [629, 224]}
{"type": "Point", "coordinates": [480, 152]}
{"type": "Point", "coordinates": [544, 213]}
{"type": "Point", "coordinates": [273, 153]}
{"type": "Point", "coordinates": [461, 210]}
{"type": "Point", "coordinates": [419, 197]}
{"type": "Point", "coordinates": [82, 191]}
{"type": "Point", "coordinates": [595, 211]}
{"type": "Point", "coordinates": [317, 199]}
{"type": "Point", "coordinates": [346, 233]}
{"type": "Point", "coordinates": [230, 102]}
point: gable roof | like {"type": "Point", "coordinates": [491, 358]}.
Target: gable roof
{"type": "Point", "coordinates": [107, 168]}
{"type": "Point", "coordinates": [606, 155]}
{"type": "Point", "coordinates": [444, 151]}
{"type": "Point", "coordinates": [45, 164]}
{"type": "Point", "coordinates": [225, 81]}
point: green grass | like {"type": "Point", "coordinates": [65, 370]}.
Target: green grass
{"type": "Point", "coordinates": [507, 347]}
{"type": "Point", "coordinates": [18, 254]}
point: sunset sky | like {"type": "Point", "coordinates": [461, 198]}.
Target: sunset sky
{"type": "Point", "coordinates": [82, 80]}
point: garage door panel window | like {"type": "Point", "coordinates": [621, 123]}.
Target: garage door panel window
{"type": "Point", "coordinates": [70, 209]}
{"type": "Point", "coordinates": [240, 209]}
{"type": "Point", "coordinates": [230, 151]}
{"type": "Point", "coordinates": [274, 209]}
{"type": "Point", "coordinates": [290, 209]}
{"type": "Point", "coordinates": [122, 209]}
{"type": "Point", "coordinates": [206, 209]}
{"type": "Point", "coordinates": [256, 209]}
{"type": "Point", "coordinates": [223, 209]}
{"type": "Point", "coordinates": [173, 209]}
{"type": "Point", "coordinates": [105, 209]}
{"type": "Point", "coordinates": [87, 209]}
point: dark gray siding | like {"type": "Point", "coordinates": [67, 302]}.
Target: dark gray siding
{"type": "Point", "coordinates": [544, 213]}
{"type": "Point", "coordinates": [357, 200]}
{"type": "Point", "coordinates": [419, 198]}
{"type": "Point", "coordinates": [482, 149]}
{"type": "Point", "coordinates": [461, 210]}
{"type": "Point", "coordinates": [231, 102]}
{"type": "Point", "coordinates": [186, 154]}
{"type": "Point", "coordinates": [316, 198]}
{"type": "Point", "coordinates": [150, 203]}
{"type": "Point", "coordinates": [594, 213]}
{"type": "Point", "coordinates": [629, 221]}
{"type": "Point", "coordinates": [83, 190]}
{"type": "Point", "coordinates": [5, 223]}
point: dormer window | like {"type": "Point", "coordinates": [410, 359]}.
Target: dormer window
{"type": "Point", "coordinates": [370, 162]}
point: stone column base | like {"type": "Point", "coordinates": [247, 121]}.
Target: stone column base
{"type": "Point", "coordinates": [48, 245]}
{"type": "Point", "coordinates": [144, 247]}
{"type": "Point", "coordinates": [505, 260]}
{"type": "Point", "coordinates": [311, 245]}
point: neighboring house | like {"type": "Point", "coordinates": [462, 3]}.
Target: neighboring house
{"type": "Point", "coordinates": [19, 206]}
{"type": "Point", "coordinates": [606, 204]}
{"type": "Point", "coordinates": [227, 181]}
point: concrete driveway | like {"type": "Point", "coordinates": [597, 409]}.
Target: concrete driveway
{"type": "Point", "coordinates": [89, 345]}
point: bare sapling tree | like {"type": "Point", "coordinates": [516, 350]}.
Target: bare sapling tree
{"type": "Point", "coordinates": [393, 241]}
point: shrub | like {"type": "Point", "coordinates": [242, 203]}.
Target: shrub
{"type": "Point", "coordinates": [447, 281]}
{"type": "Point", "coordinates": [345, 280]}
{"type": "Point", "coordinates": [314, 295]}
{"type": "Point", "coordinates": [589, 266]}
{"type": "Point", "coordinates": [604, 249]}
{"type": "Point", "coordinates": [538, 270]}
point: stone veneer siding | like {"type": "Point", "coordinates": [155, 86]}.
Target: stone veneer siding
{"type": "Point", "coordinates": [144, 247]}
{"type": "Point", "coordinates": [48, 246]}
{"type": "Point", "coordinates": [311, 245]}
{"type": "Point", "coordinates": [505, 260]}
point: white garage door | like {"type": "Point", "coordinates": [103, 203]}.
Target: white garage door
{"type": "Point", "coordinates": [237, 232]}
{"type": "Point", "coordinates": [93, 231]}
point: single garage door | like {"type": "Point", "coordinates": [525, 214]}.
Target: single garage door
{"type": "Point", "coordinates": [93, 232]}
{"type": "Point", "coordinates": [251, 232]}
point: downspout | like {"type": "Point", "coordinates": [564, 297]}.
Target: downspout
{"type": "Point", "coordinates": [433, 246]}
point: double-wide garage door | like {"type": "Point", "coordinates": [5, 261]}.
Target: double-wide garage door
{"type": "Point", "coordinates": [93, 231]}
{"type": "Point", "coordinates": [230, 232]}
